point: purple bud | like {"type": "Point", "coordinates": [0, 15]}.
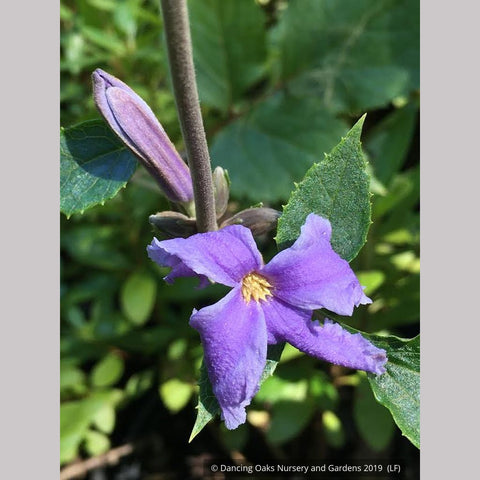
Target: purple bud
{"type": "Point", "coordinates": [138, 128]}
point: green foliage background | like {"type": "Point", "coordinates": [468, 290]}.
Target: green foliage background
{"type": "Point", "coordinates": [280, 83]}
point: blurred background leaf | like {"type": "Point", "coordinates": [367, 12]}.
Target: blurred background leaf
{"type": "Point", "coordinates": [279, 139]}
{"type": "Point", "coordinates": [374, 422]}
{"type": "Point", "coordinates": [229, 49]}
{"type": "Point", "coordinates": [356, 55]}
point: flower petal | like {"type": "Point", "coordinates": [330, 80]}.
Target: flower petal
{"type": "Point", "coordinates": [179, 269]}
{"type": "Point", "coordinates": [224, 256]}
{"type": "Point", "coordinates": [234, 339]}
{"type": "Point", "coordinates": [311, 275]}
{"type": "Point", "coordinates": [329, 342]}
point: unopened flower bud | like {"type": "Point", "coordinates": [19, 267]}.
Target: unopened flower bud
{"type": "Point", "coordinates": [221, 186]}
{"type": "Point", "coordinates": [138, 128]}
{"type": "Point", "coordinates": [173, 224]}
{"type": "Point", "coordinates": [258, 220]}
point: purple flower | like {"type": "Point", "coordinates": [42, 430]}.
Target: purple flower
{"type": "Point", "coordinates": [268, 304]}
{"type": "Point", "coordinates": [138, 128]}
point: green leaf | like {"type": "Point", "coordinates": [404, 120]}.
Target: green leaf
{"type": "Point", "coordinates": [104, 419]}
{"type": "Point", "coordinates": [108, 371]}
{"type": "Point", "coordinates": [137, 297]}
{"type": "Point", "coordinates": [272, 146]}
{"type": "Point", "coordinates": [371, 280]}
{"type": "Point", "coordinates": [175, 394]}
{"type": "Point", "coordinates": [234, 440]}
{"type": "Point", "coordinates": [388, 143]}
{"type": "Point", "coordinates": [139, 383]}
{"type": "Point", "coordinates": [355, 55]}
{"type": "Point", "coordinates": [275, 389]}
{"type": "Point", "coordinates": [399, 304]}
{"type": "Point", "coordinates": [333, 429]}
{"type": "Point", "coordinates": [373, 421]}
{"type": "Point", "coordinates": [94, 166]}
{"type": "Point", "coordinates": [229, 51]}
{"type": "Point", "coordinates": [398, 388]}
{"type": "Point", "coordinates": [95, 246]}
{"type": "Point", "coordinates": [336, 188]}
{"type": "Point", "coordinates": [75, 418]}
{"type": "Point", "coordinates": [106, 40]}
{"type": "Point", "coordinates": [288, 419]}
{"type": "Point", "coordinates": [145, 341]}
{"type": "Point", "coordinates": [69, 447]}
{"type": "Point", "coordinates": [72, 379]}
{"type": "Point", "coordinates": [402, 193]}
{"type": "Point", "coordinates": [208, 407]}
{"type": "Point", "coordinates": [96, 443]}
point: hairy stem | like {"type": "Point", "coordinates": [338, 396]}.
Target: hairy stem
{"type": "Point", "coordinates": [179, 45]}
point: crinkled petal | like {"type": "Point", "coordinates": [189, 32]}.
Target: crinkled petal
{"type": "Point", "coordinates": [234, 339]}
{"type": "Point", "coordinates": [329, 342]}
{"type": "Point", "coordinates": [311, 275]}
{"type": "Point", "coordinates": [224, 256]}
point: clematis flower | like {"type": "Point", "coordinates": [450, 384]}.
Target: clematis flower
{"type": "Point", "coordinates": [135, 124]}
{"type": "Point", "coordinates": [268, 304]}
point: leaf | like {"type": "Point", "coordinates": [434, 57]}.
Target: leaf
{"type": "Point", "coordinates": [399, 304]}
{"type": "Point", "coordinates": [389, 141]}
{"type": "Point", "coordinates": [75, 418]}
{"type": "Point", "coordinates": [94, 166]}
{"type": "Point", "coordinates": [72, 379]}
{"type": "Point", "coordinates": [175, 394]}
{"type": "Point", "coordinates": [108, 371]}
{"type": "Point", "coordinates": [137, 297]}
{"type": "Point", "coordinates": [145, 341]}
{"type": "Point", "coordinates": [139, 383]}
{"type": "Point", "coordinates": [229, 49]}
{"type": "Point", "coordinates": [403, 192]}
{"type": "Point", "coordinates": [355, 55]}
{"type": "Point", "coordinates": [208, 407]}
{"type": "Point", "coordinates": [96, 443]}
{"type": "Point", "coordinates": [288, 419]}
{"type": "Point", "coordinates": [336, 188]}
{"type": "Point", "coordinates": [234, 440]}
{"type": "Point", "coordinates": [275, 389]}
{"type": "Point", "coordinates": [333, 429]}
{"type": "Point", "coordinates": [398, 388]}
{"type": "Point", "coordinates": [371, 280]}
{"type": "Point", "coordinates": [95, 245]}
{"type": "Point", "coordinates": [104, 39]}
{"type": "Point", "coordinates": [271, 147]}
{"type": "Point", "coordinates": [104, 420]}
{"type": "Point", "coordinates": [373, 421]}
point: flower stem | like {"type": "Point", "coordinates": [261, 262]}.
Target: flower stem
{"type": "Point", "coordinates": [179, 46]}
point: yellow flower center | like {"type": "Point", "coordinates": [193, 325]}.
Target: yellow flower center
{"type": "Point", "coordinates": [255, 286]}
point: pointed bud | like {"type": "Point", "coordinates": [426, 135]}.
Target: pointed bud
{"type": "Point", "coordinates": [173, 224]}
{"type": "Point", "coordinates": [258, 220]}
{"type": "Point", "coordinates": [221, 185]}
{"type": "Point", "coordinates": [138, 128]}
